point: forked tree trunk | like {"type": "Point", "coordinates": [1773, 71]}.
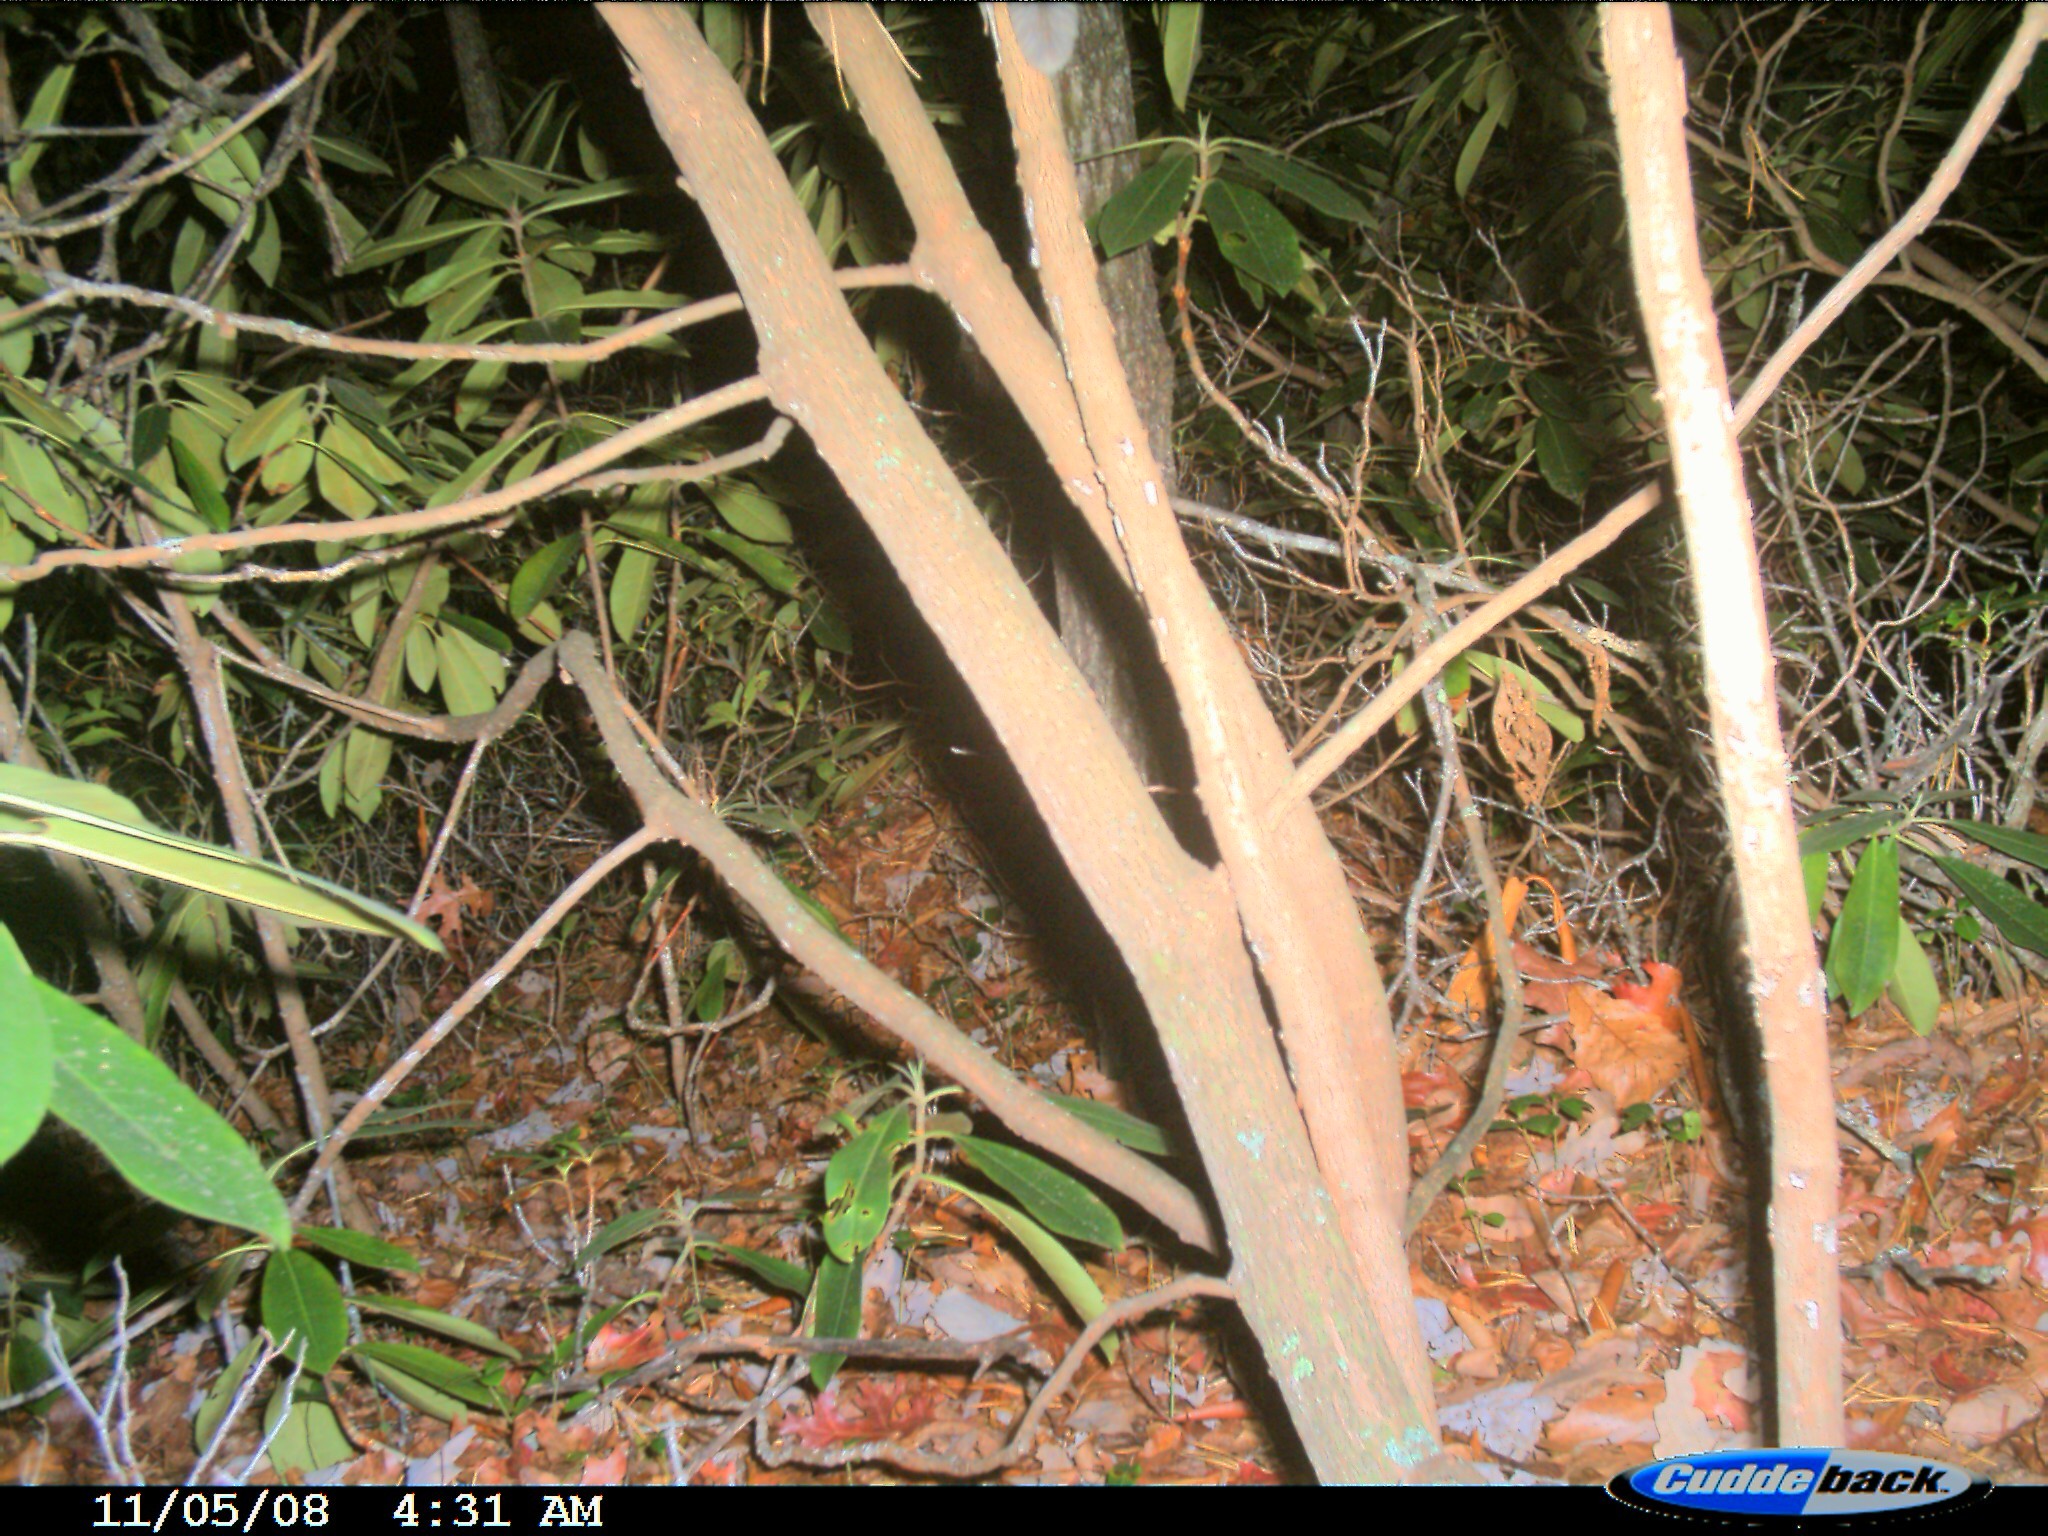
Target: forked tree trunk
{"type": "Point", "coordinates": [1173, 920]}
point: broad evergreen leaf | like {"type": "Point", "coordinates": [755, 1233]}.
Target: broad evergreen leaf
{"type": "Point", "coordinates": [1066, 1272]}
{"type": "Point", "coordinates": [1118, 1125]}
{"type": "Point", "coordinates": [1148, 205]}
{"type": "Point", "coordinates": [1914, 987]}
{"type": "Point", "coordinates": [1863, 951]}
{"type": "Point", "coordinates": [35, 811]}
{"type": "Point", "coordinates": [835, 1313]}
{"type": "Point", "coordinates": [1054, 1199]}
{"type": "Point", "coordinates": [2027, 847]}
{"type": "Point", "coordinates": [860, 1181]}
{"type": "Point", "coordinates": [304, 1311]}
{"type": "Point", "coordinates": [158, 1133]}
{"type": "Point", "coordinates": [1253, 235]}
{"type": "Point", "coordinates": [359, 1248]}
{"type": "Point", "coordinates": [418, 1315]}
{"type": "Point", "coordinates": [2023, 921]}
{"type": "Point", "coordinates": [30, 1070]}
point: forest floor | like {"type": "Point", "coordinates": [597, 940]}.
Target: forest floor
{"type": "Point", "coordinates": [1585, 1291]}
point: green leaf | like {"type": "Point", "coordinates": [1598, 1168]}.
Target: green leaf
{"type": "Point", "coordinates": [1863, 951]}
{"type": "Point", "coordinates": [17, 342]}
{"type": "Point", "coordinates": [39, 413]}
{"type": "Point", "coordinates": [781, 1274]}
{"type": "Point", "coordinates": [422, 659]}
{"type": "Point", "coordinates": [621, 1230]}
{"type": "Point", "coordinates": [383, 252]}
{"type": "Point", "coordinates": [221, 1395]}
{"type": "Point", "coordinates": [2023, 921]}
{"type": "Point", "coordinates": [472, 675]}
{"type": "Point", "coordinates": [309, 1437]}
{"type": "Point", "coordinates": [201, 487]}
{"type": "Point", "coordinates": [339, 473]}
{"type": "Point", "coordinates": [44, 109]}
{"type": "Point", "coordinates": [267, 428]}
{"type": "Point", "coordinates": [631, 587]}
{"type": "Point", "coordinates": [1914, 987]}
{"type": "Point", "coordinates": [359, 1248]}
{"type": "Point", "coordinates": [365, 756]}
{"type": "Point", "coordinates": [2027, 847]}
{"type": "Point", "coordinates": [26, 1048]}
{"type": "Point", "coordinates": [301, 1300]}
{"type": "Point", "coordinates": [411, 1391]}
{"type": "Point", "coordinates": [1126, 1129]}
{"type": "Point", "coordinates": [459, 268]}
{"type": "Point", "coordinates": [331, 765]}
{"type": "Point", "coordinates": [436, 1370]}
{"type": "Point", "coordinates": [1061, 1267]}
{"type": "Point", "coordinates": [157, 1132]}
{"type": "Point", "coordinates": [1253, 235]}
{"type": "Point", "coordinates": [1180, 40]}
{"type": "Point", "coordinates": [1813, 871]}
{"type": "Point", "coordinates": [1312, 187]}
{"type": "Point", "coordinates": [1837, 833]}
{"type": "Point", "coordinates": [37, 492]}
{"type": "Point", "coordinates": [540, 574]}
{"type": "Point", "coordinates": [835, 1313]}
{"type": "Point", "coordinates": [776, 572]}
{"type": "Point", "coordinates": [1562, 458]}
{"type": "Point", "coordinates": [750, 514]}
{"type": "Point", "coordinates": [283, 472]}
{"type": "Point", "coordinates": [860, 1180]}
{"type": "Point", "coordinates": [1477, 142]}
{"type": "Point", "coordinates": [1541, 699]}
{"type": "Point", "coordinates": [460, 1329]}
{"type": "Point", "coordinates": [489, 636]}
{"type": "Point", "coordinates": [349, 155]}
{"type": "Point", "coordinates": [1148, 205]}
{"type": "Point", "coordinates": [29, 815]}
{"type": "Point", "coordinates": [1054, 1199]}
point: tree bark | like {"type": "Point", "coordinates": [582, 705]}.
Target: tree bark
{"type": "Point", "coordinates": [483, 108]}
{"type": "Point", "coordinates": [1172, 919]}
{"type": "Point", "coordinates": [1647, 85]}
{"type": "Point", "coordinates": [1099, 622]}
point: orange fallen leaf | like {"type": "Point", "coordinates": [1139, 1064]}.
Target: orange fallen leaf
{"type": "Point", "coordinates": [1633, 1050]}
{"type": "Point", "coordinates": [621, 1348]}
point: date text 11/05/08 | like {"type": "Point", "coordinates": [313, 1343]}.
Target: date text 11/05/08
{"type": "Point", "coordinates": [268, 1510]}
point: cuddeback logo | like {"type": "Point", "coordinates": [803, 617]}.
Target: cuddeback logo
{"type": "Point", "coordinates": [1748, 1485]}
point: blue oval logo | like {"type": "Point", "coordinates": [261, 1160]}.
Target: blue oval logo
{"type": "Point", "coordinates": [1799, 1483]}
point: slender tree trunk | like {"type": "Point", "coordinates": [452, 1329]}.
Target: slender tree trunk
{"type": "Point", "coordinates": [1099, 621]}
{"type": "Point", "coordinates": [1647, 84]}
{"type": "Point", "coordinates": [483, 108]}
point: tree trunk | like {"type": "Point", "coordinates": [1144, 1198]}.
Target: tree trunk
{"type": "Point", "coordinates": [1172, 919]}
{"type": "Point", "coordinates": [1100, 623]}
{"type": "Point", "coordinates": [1647, 86]}
{"type": "Point", "coordinates": [483, 108]}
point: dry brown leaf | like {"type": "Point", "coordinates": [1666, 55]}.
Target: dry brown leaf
{"type": "Point", "coordinates": [1524, 739]}
{"type": "Point", "coordinates": [1631, 1051]}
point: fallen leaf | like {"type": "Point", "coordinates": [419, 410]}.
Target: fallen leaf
{"type": "Point", "coordinates": [620, 1348]}
{"type": "Point", "coordinates": [1633, 1049]}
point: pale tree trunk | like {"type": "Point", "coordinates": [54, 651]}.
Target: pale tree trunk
{"type": "Point", "coordinates": [1648, 89]}
{"type": "Point", "coordinates": [1298, 1283]}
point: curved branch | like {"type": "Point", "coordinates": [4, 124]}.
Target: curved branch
{"type": "Point", "coordinates": [672, 814]}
